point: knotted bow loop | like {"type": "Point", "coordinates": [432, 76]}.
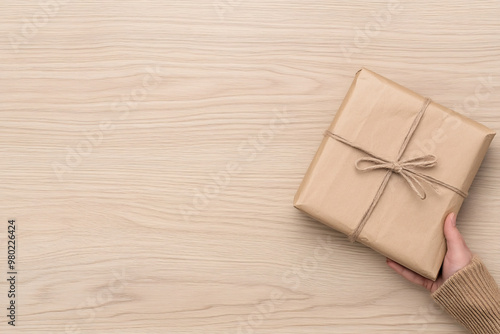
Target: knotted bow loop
{"type": "Point", "coordinates": [406, 168]}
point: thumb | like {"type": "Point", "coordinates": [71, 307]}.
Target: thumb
{"type": "Point", "coordinates": [454, 239]}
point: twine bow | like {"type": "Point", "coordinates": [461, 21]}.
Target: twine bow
{"type": "Point", "coordinates": [408, 169]}
{"type": "Point", "coordinates": [405, 168]}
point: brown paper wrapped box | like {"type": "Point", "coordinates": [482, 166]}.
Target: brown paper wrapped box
{"type": "Point", "coordinates": [389, 169]}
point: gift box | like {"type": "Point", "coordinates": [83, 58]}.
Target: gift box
{"type": "Point", "coordinates": [390, 168]}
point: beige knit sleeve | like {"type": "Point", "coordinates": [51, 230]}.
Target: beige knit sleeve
{"type": "Point", "coordinates": [472, 297]}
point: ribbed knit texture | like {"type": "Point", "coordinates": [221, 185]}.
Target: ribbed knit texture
{"type": "Point", "coordinates": [472, 297]}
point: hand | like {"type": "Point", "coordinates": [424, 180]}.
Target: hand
{"type": "Point", "coordinates": [457, 257]}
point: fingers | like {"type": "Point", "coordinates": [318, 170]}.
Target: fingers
{"type": "Point", "coordinates": [458, 254]}
{"type": "Point", "coordinates": [454, 239]}
{"type": "Point", "coordinates": [410, 275]}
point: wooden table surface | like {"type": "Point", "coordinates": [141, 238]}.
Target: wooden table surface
{"type": "Point", "coordinates": [150, 152]}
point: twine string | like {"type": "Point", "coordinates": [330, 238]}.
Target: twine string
{"type": "Point", "coordinates": [408, 169]}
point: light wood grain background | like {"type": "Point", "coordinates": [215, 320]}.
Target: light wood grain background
{"type": "Point", "coordinates": [150, 151]}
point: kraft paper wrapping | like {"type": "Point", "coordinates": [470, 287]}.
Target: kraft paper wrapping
{"type": "Point", "coordinates": [376, 115]}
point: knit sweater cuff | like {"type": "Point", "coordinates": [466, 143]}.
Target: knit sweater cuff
{"type": "Point", "coordinates": [472, 297]}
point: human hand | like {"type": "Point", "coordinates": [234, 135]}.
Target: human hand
{"type": "Point", "coordinates": [457, 257]}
